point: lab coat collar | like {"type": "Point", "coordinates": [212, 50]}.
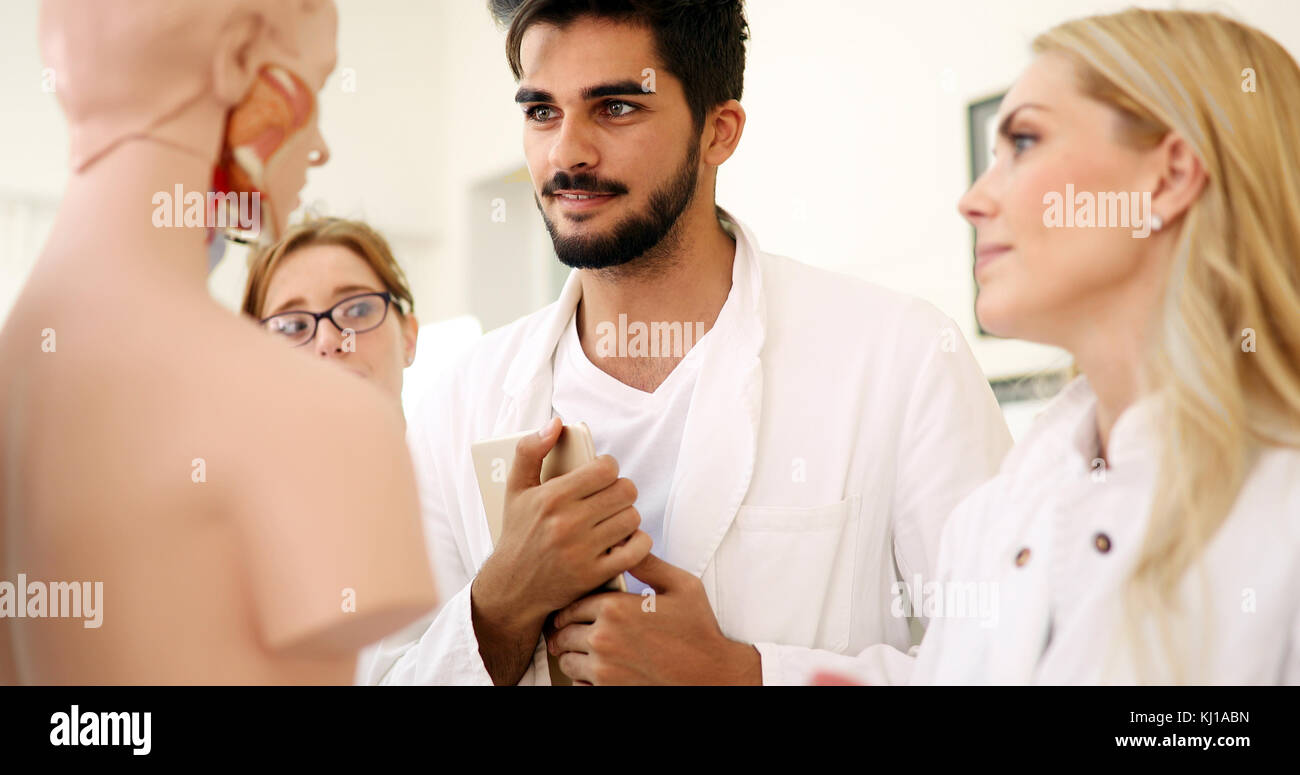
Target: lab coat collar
{"type": "Point", "coordinates": [533, 359]}
{"type": "Point", "coordinates": [1134, 440]}
{"type": "Point", "coordinates": [715, 464]}
{"type": "Point", "coordinates": [710, 483]}
{"type": "Point", "coordinates": [1071, 421]}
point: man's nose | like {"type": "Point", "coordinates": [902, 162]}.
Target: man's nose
{"type": "Point", "coordinates": [573, 149]}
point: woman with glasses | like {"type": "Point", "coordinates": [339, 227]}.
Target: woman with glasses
{"type": "Point", "coordinates": [326, 288]}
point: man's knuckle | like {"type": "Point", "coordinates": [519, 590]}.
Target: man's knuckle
{"type": "Point", "coordinates": [550, 503]}
{"type": "Point", "coordinates": [611, 611]}
{"type": "Point", "coordinates": [566, 661]}
{"type": "Point", "coordinates": [599, 638]}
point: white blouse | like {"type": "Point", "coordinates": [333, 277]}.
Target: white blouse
{"type": "Point", "coordinates": [1032, 566]}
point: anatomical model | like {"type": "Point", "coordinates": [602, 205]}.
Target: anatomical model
{"type": "Point", "coordinates": [249, 516]}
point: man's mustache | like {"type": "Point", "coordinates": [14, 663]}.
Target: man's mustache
{"type": "Point", "coordinates": [583, 181]}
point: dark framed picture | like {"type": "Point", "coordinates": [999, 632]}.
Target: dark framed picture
{"type": "Point", "coordinates": [981, 131]}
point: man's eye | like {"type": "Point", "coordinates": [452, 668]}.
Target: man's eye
{"type": "Point", "coordinates": [619, 109]}
{"type": "Point", "coordinates": [538, 113]}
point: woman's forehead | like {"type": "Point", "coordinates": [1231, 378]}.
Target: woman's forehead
{"type": "Point", "coordinates": [315, 272]}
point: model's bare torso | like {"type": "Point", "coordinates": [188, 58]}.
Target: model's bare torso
{"type": "Point", "coordinates": [104, 437]}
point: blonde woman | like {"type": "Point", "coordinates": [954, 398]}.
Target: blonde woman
{"type": "Point", "coordinates": [331, 288]}
{"type": "Point", "coordinates": [1147, 529]}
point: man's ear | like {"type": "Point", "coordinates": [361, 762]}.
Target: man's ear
{"type": "Point", "coordinates": [723, 126]}
{"type": "Point", "coordinates": [1182, 178]}
{"type": "Point", "coordinates": [235, 64]}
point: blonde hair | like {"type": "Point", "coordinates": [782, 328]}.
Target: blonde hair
{"type": "Point", "coordinates": [1234, 270]}
{"type": "Point", "coordinates": [356, 236]}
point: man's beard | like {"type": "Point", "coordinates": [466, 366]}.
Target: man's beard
{"type": "Point", "coordinates": [637, 235]}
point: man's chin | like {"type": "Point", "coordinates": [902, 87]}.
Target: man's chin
{"type": "Point", "coordinates": [585, 220]}
{"type": "Point", "coordinates": [582, 233]}
{"type": "Point", "coordinates": [582, 218]}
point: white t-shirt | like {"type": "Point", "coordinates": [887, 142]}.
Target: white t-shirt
{"type": "Point", "coordinates": [642, 431]}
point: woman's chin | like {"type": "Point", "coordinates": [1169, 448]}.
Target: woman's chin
{"type": "Point", "coordinates": [993, 318]}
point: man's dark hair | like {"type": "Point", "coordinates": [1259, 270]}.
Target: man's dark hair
{"type": "Point", "coordinates": [701, 42]}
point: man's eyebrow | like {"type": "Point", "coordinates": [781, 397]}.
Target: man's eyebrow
{"type": "Point", "coordinates": [526, 94]}
{"type": "Point", "coordinates": [1004, 127]}
{"type": "Point", "coordinates": [616, 89]}
{"type": "Point", "coordinates": [613, 89]}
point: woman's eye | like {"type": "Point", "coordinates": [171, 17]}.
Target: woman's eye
{"type": "Point", "coordinates": [289, 327]}
{"type": "Point", "coordinates": [620, 109]}
{"type": "Point", "coordinates": [358, 310]}
{"type": "Point", "coordinates": [538, 113]}
{"type": "Point", "coordinates": [1022, 142]}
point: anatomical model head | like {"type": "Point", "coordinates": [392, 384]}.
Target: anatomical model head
{"type": "Point", "coordinates": [232, 82]}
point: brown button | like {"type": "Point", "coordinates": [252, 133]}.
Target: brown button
{"type": "Point", "coordinates": [1022, 557]}
{"type": "Point", "coordinates": [1102, 542]}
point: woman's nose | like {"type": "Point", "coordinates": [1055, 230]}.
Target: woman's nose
{"type": "Point", "coordinates": [976, 205]}
{"type": "Point", "coordinates": [329, 340]}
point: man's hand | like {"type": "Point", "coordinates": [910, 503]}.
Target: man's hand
{"type": "Point", "coordinates": [559, 540]}
{"type": "Point", "coordinates": [670, 638]}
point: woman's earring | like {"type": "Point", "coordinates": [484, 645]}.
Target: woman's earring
{"type": "Point", "coordinates": [1157, 223]}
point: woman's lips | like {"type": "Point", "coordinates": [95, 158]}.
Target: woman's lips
{"type": "Point", "coordinates": [986, 254]}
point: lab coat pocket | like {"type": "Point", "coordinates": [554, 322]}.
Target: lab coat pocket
{"type": "Point", "coordinates": [785, 575]}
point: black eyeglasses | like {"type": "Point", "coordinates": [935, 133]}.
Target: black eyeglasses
{"type": "Point", "coordinates": [358, 314]}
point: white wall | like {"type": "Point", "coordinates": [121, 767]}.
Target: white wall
{"type": "Point", "coordinates": [853, 158]}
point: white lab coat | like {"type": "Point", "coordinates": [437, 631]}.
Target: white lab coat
{"type": "Point", "coordinates": [830, 434]}
{"type": "Point", "coordinates": [1077, 527]}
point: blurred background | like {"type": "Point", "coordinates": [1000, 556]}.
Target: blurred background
{"type": "Point", "coordinates": [855, 153]}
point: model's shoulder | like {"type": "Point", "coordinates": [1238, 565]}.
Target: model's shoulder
{"type": "Point", "coordinates": [276, 400]}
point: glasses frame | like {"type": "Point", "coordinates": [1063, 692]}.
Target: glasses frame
{"type": "Point", "coordinates": [329, 314]}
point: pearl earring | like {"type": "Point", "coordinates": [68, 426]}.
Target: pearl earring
{"type": "Point", "coordinates": [1157, 223]}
